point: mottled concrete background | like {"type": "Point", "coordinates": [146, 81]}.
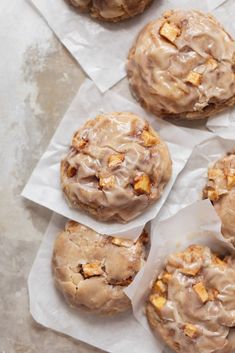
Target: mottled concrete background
{"type": "Point", "coordinates": [38, 81]}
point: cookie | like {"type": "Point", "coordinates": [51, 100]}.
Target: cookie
{"type": "Point", "coordinates": [220, 189]}
{"type": "Point", "coordinates": [91, 270]}
{"type": "Point", "coordinates": [183, 66]}
{"type": "Point", "coordinates": [191, 304]}
{"type": "Point", "coordinates": [111, 10]}
{"type": "Point", "coordinates": [117, 166]}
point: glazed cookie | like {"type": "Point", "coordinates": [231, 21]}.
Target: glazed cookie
{"type": "Point", "coordinates": [220, 189]}
{"type": "Point", "coordinates": [91, 270]}
{"type": "Point", "coordinates": [192, 305]}
{"type": "Point", "coordinates": [111, 10]}
{"type": "Point", "coordinates": [183, 66]}
{"type": "Point", "coordinates": [117, 166]}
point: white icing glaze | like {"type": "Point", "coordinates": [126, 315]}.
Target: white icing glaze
{"type": "Point", "coordinates": [107, 135]}
{"type": "Point", "coordinates": [225, 205]}
{"type": "Point", "coordinates": [212, 319]}
{"type": "Point", "coordinates": [157, 68]}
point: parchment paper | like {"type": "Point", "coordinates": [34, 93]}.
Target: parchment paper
{"type": "Point", "coordinates": [191, 181]}
{"type": "Point", "coordinates": [223, 124]}
{"type": "Point", "coordinates": [195, 224]}
{"type": "Point", "coordinates": [43, 186]}
{"type": "Point", "coordinates": [118, 334]}
{"type": "Point", "coordinates": [102, 48]}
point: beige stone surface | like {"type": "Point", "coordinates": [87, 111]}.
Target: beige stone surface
{"type": "Point", "coordinates": [38, 81]}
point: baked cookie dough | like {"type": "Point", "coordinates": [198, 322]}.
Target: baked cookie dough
{"type": "Point", "coordinates": [116, 167]}
{"type": "Point", "coordinates": [192, 302]}
{"type": "Point", "coordinates": [111, 10]}
{"type": "Point", "coordinates": [91, 270]}
{"type": "Point", "coordinates": [183, 66]}
{"type": "Point", "coordinates": [220, 189]}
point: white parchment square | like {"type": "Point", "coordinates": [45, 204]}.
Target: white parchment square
{"type": "Point", "coordinates": [121, 333]}
{"type": "Point", "coordinates": [44, 188]}
{"type": "Point", "coordinates": [102, 48]}
{"type": "Point", "coordinates": [195, 224]}
{"type": "Point", "coordinates": [223, 124]}
{"type": "Point", "coordinates": [191, 181]}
